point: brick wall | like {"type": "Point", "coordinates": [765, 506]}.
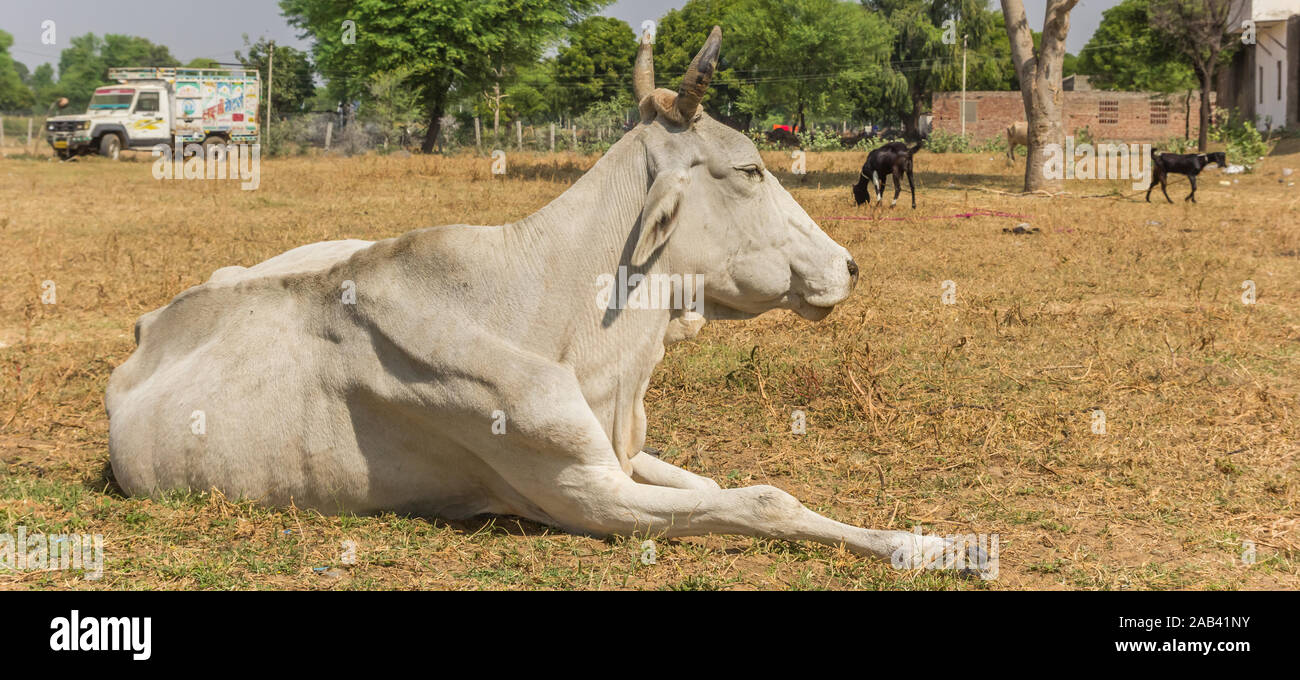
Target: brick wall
{"type": "Point", "coordinates": [1124, 116]}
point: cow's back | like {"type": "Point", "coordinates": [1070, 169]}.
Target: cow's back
{"type": "Point", "coordinates": [220, 369]}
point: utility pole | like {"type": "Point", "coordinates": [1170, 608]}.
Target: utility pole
{"type": "Point", "coordinates": [270, 78]}
{"type": "Point", "coordinates": [963, 87]}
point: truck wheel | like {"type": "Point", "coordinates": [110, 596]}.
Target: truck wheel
{"type": "Point", "coordinates": [110, 146]}
{"type": "Point", "coordinates": [211, 141]}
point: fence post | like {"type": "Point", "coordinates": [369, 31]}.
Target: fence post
{"type": "Point", "coordinates": [478, 136]}
{"type": "Point", "coordinates": [29, 134]}
{"type": "Point", "coordinates": [329, 133]}
{"type": "Point", "coordinates": [2, 131]}
{"type": "Point", "coordinates": [575, 137]}
{"type": "Point", "coordinates": [552, 137]}
{"type": "Point", "coordinates": [519, 134]}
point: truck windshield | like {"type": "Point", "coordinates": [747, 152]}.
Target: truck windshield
{"type": "Point", "coordinates": [112, 99]}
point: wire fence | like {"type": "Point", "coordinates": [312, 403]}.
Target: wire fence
{"type": "Point", "coordinates": [22, 131]}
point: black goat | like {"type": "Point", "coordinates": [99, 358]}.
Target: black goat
{"type": "Point", "coordinates": [1190, 164]}
{"type": "Point", "coordinates": [891, 159]}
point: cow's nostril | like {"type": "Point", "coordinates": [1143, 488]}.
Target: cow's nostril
{"type": "Point", "coordinates": [853, 267]}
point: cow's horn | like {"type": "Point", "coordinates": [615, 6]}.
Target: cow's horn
{"type": "Point", "coordinates": [696, 82]}
{"type": "Point", "coordinates": [643, 74]}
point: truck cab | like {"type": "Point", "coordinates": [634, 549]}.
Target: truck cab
{"type": "Point", "coordinates": [126, 116]}
{"type": "Point", "coordinates": [151, 106]}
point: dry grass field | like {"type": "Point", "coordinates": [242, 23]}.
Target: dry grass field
{"type": "Point", "coordinates": [974, 417]}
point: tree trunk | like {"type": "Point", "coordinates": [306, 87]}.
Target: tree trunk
{"type": "Point", "coordinates": [912, 123]}
{"type": "Point", "coordinates": [435, 111]}
{"type": "Point", "coordinates": [1040, 86]}
{"type": "Point", "coordinates": [1207, 78]}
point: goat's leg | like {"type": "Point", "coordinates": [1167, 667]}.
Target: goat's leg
{"type": "Point", "coordinates": [911, 187]}
{"type": "Point", "coordinates": [1164, 182]}
{"type": "Point", "coordinates": [1155, 179]}
{"type": "Point", "coordinates": [1192, 196]}
{"type": "Point", "coordinates": [897, 172]}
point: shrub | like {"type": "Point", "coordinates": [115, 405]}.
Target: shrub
{"type": "Point", "coordinates": [1246, 145]}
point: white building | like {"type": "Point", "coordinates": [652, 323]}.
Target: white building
{"type": "Point", "coordinates": [1263, 81]}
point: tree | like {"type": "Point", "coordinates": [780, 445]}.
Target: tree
{"type": "Point", "coordinates": [1040, 83]}
{"type": "Point", "coordinates": [679, 34]}
{"type": "Point", "coordinates": [534, 92]}
{"type": "Point", "coordinates": [203, 62]}
{"type": "Point", "coordinates": [596, 64]}
{"type": "Point", "coordinates": [294, 79]}
{"type": "Point", "coordinates": [14, 94]}
{"type": "Point", "coordinates": [1127, 53]}
{"type": "Point", "coordinates": [927, 53]}
{"type": "Point", "coordinates": [806, 54]}
{"type": "Point", "coordinates": [44, 89]}
{"type": "Point", "coordinates": [442, 45]}
{"type": "Point", "coordinates": [392, 106]}
{"type": "Point", "coordinates": [1197, 29]}
{"type": "Point", "coordinates": [84, 65]}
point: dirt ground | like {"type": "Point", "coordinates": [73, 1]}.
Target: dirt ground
{"type": "Point", "coordinates": [973, 417]}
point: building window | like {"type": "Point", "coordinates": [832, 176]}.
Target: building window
{"type": "Point", "coordinates": [1160, 112]}
{"type": "Point", "coordinates": [971, 112]}
{"type": "Point", "coordinates": [1108, 111]}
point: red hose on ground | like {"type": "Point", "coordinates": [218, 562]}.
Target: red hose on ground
{"type": "Point", "coordinates": [976, 213]}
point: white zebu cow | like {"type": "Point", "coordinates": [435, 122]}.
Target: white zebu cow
{"type": "Point", "coordinates": [390, 403]}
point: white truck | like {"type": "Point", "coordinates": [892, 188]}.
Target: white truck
{"type": "Point", "coordinates": [151, 106]}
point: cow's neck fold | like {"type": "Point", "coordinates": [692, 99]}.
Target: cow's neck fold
{"type": "Point", "coordinates": [572, 241]}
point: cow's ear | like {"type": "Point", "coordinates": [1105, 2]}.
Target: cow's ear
{"type": "Point", "coordinates": [659, 216]}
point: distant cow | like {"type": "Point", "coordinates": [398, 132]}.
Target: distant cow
{"type": "Point", "coordinates": [1017, 133]}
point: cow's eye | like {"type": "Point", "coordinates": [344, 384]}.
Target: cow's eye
{"type": "Point", "coordinates": [752, 170]}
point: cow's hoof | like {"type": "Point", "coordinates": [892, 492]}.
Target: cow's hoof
{"type": "Point", "coordinates": [977, 563]}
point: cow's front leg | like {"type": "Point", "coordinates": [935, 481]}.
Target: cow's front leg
{"type": "Point", "coordinates": [609, 503]}
{"type": "Point", "coordinates": [649, 469]}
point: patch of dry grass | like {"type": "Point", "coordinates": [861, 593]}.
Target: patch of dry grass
{"type": "Point", "coordinates": [974, 417]}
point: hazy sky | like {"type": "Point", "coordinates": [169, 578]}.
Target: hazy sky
{"type": "Point", "coordinates": [217, 34]}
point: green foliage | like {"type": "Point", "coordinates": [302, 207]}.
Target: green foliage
{"type": "Point", "coordinates": [940, 141]}
{"type": "Point", "coordinates": [1126, 53]}
{"type": "Point", "coordinates": [14, 94]}
{"type": "Point", "coordinates": [681, 33]}
{"type": "Point", "coordinates": [927, 54]}
{"type": "Point", "coordinates": [1176, 145]}
{"type": "Point", "coordinates": [84, 65]}
{"type": "Point", "coordinates": [534, 93]}
{"type": "Point", "coordinates": [820, 140]}
{"type": "Point", "coordinates": [1246, 146]}
{"type": "Point", "coordinates": [392, 108]}
{"type": "Point", "coordinates": [608, 114]}
{"type": "Point", "coordinates": [596, 64]}
{"type": "Point", "coordinates": [445, 46]}
{"type": "Point", "coordinates": [810, 57]}
{"type": "Point", "coordinates": [292, 88]}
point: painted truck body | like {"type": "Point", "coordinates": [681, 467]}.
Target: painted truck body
{"type": "Point", "coordinates": [151, 106]}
